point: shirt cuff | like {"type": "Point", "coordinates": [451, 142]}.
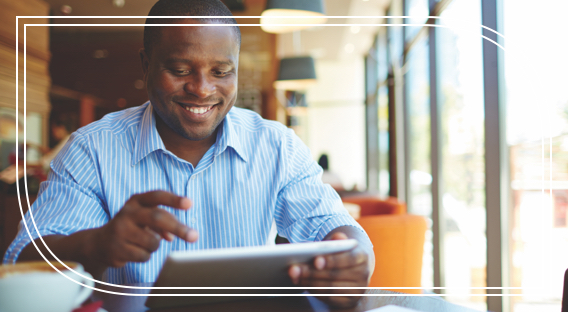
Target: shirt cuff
{"type": "Point", "coordinates": [336, 221]}
{"type": "Point", "coordinates": [21, 241]}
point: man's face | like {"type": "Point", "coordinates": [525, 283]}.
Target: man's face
{"type": "Point", "coordinates": [191, 77]}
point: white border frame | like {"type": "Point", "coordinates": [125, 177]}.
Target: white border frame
{"type": "Point", "coordinates": [215, 25]}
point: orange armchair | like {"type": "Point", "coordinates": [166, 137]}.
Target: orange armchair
{"type": "Point", "coordinates": [398, 240]}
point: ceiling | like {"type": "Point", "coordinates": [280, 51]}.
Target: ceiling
{"type": "Point", "coordinates": [339, 42]}
{"type": "Point", "coordinates": [323, 42]}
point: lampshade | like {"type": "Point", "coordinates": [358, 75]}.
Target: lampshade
{"type": "Point", "coordinates": [296, 73]}
{"type": "Point", "coordinates": [275, 8]}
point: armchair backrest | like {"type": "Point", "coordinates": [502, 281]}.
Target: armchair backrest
{"type": "Point", "coordinates": [375, 205]}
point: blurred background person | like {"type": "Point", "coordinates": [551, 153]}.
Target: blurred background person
{"type": "Point", "coordinates": [61, 128]}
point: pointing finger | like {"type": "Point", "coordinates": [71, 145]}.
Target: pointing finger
{"type": "Point", "coordinates": [155, 198]}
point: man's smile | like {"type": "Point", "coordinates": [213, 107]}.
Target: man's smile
{"type": "Point", "coordinates": [197, 112]}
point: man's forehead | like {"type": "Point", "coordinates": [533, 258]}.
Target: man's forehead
{"type": "Point", "coordinates": [174, 59]}
{"type": "Point", "coordinates": [181, 43]}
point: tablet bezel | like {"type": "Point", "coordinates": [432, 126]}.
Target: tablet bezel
{"type": "Point", "coordinates": [259, 266]}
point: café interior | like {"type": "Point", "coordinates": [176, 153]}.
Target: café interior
{"type": "Point", "coordinates": [440, 144]}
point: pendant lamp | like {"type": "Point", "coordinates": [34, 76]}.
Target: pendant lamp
{"type": "Point", "coordinates": [277, 8]}
{"type": "Point", "coordinates": [296, 73]}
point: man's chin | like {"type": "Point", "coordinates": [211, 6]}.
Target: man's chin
{"type": "Point", "coordinates": [198, 136]}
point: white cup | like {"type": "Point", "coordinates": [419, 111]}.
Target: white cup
{"type": "Point", "coordinates": [36, 286]}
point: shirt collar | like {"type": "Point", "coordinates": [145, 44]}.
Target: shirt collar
{"type": "Point", "coordinates": [228, 137]}
{"type": "Point", "coordinates": [149, 140]}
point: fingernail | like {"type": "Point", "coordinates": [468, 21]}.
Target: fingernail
{"type": "Point", "coordinates": [191, 236]}
{"type": "Point", "coordinates": [169, 236]}
{"type": "Point", "coordinates": [185, 202]}
{"type": "Point", "coordinates": [319, 263]}
{"type": "Point", "coordinates": [339, 236]}
{"type": "Point", "coordinates": [295, 273]}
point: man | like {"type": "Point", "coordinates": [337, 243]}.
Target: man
{"type": "Point", "coordinates": [100, 206]}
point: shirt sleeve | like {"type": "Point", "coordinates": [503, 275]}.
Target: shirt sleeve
{"type": "Point", "coordinates": [306, 208]}
{"type": "Point", "coordinates": [69, 201]}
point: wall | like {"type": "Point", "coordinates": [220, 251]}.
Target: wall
{"type": "Point", "coordinates": [38, 56]}
{"type": "Point", "coordinates": [257, 64]}
{"type": "Point", "coordinates": [336, 119]}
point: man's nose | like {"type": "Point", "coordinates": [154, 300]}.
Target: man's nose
{"type": "Point", "coordinates": [200, 85]}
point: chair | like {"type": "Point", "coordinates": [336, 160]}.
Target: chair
{"type": "Point", "coordinates": [398, 240]}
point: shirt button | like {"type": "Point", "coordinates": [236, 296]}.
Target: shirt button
{"type": "Point", "coordinates": [193, 220]}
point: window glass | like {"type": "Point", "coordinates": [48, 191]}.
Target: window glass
{"type": "Point", "coordinates": [417, 93]}
{"type": "Point", "coordinates": [460, 95]}
{"type": "Point", "coordinates": [419, 11]}
{"type": "Point", "coordinates": [383, 112]}
{"type": "Point", "coordinates": [395, 38]}
{"type": "Point", "coordinates": [536, 77]}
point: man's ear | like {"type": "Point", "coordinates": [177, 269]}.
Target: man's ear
{"type": "Point", "coordinates": [145, 60]}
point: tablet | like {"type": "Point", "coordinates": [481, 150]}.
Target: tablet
{"type": "Point", "coordinates": [260, 266]}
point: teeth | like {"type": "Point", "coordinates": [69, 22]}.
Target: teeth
{"type": "Point", "coordinates": [197, 110]}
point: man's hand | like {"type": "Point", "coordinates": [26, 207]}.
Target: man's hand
{"type": "Point", "coordinates": [137, 229]}
{"type": "Point", "coordinates": [352, 268]}
{"type": "Point", "coordinates": [131, 236]}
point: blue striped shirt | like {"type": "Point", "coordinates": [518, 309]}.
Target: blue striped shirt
{"type": "Point", "coordinates": [257, 173]}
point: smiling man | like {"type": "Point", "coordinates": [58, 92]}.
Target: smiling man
{"type": "Point", "coordinates": [188, 171]}
{"type": "Point", "coordinates": [191, 76]}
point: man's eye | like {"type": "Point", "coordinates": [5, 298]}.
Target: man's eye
{"type": "Point", "coordinates": [219, 73]}
{"type": "Point", "coordinates": [181, 72]}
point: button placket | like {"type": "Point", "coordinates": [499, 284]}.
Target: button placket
{"type": "Point", "coordinates": [185, 191]}
{"type": "Point", "coordinates": [191, 219]}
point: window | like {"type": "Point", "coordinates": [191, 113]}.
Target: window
{"type": "Point", "coordinates": [444, 178]}
{"type": "Point", "coordinates": [462, 184]}
{"type": "Point", "coordinates": [537, 138]}
{"type": "Point", "coordinates": [417, 95]}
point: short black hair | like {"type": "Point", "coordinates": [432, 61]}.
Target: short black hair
{"type": "Point", "coordinates": [185, 8]}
